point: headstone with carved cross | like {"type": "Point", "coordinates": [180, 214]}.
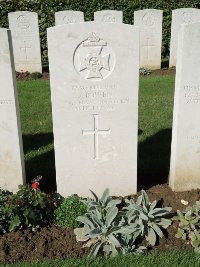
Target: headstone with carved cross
{"type": "Point", "coordinates": [11, 152]}
{"type": "Point", "coordinates": [68, 16]}
{"type": "Point", "coordinates": [108, 16]}
{"type": "Point", "coordinates": [26, 41]}
{"type": "Point", "coordinates": [94, 69]}
{"type": "Point", "coordinates": [149, 22]}
{"type": "Point", "coordinates": [185, 147]}
{"type": "Point", "coordinates": [180, 16]}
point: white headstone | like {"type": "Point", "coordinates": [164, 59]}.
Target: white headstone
{"type": "Point", "coordinates": [179, 17]}
{"type": "Point", "coordinates": [185, 148]}
{"type": "Point", "coordinates": [108, 16]}
{"type": "Point", "coordinates": [94, 69]}
{"type": "Point", "coordinates": [11, 153]}
{"type": "Point", "coordinates": [68, 16]}
{"type": "Point", "coordinates": [26, 41]}
{"type": "Point", "coordinates": [149, 22]}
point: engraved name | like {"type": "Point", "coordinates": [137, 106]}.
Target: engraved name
{"type": "Point", "coordinates": [96, 98]}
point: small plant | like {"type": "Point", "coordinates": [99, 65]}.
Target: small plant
{"type": "Point", "coordinates": [104, 227]}
{"type": "Point", "coordinates": [30, 207]}
{"type": "Point", "coordinates": [35, 75]}
{"type": "Point", "coordinates": [147, 218]}
{"type": "Point", "coordinates": [67, 212]}
{"type": "Point", "coordinates": [145, 71]}
{"type": "Point", "coordinates": [6, 211]}
{"type": "Point", "coordinates": [189, 225]}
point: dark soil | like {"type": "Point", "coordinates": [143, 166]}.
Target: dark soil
{"type": "Point", "coordinates": [164, 71]}
{"type": "Point", "coordinates": [56, 243]}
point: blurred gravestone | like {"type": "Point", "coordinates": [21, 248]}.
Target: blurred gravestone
{"type": "Point", "coordinates": [108, 16]}
{"type": "Point", "coordinates": [179, 17]}
{"type": "Point", "coordinates": [12, 171]}
{"type": "Point", "coordinates": [68, 16]}
{"type": "Point", "coordinates": [95, 106]}
{"type": "Point", "coordinates": [149, 22]}
{"type": "Point", "coordinates": [26, 41]}
{"type": "Point", "coordinates": [185, 148]}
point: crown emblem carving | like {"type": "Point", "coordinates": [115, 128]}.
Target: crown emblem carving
{"type": "Point", "coordinates": [94, 40]}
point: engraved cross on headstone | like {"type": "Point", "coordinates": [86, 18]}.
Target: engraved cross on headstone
{"type": "Point", "coordinates": [25, 47]}
{"type": "Point", "coordinates": [148, 46]}
{"type": "Point", "coordinates": [96, 133]}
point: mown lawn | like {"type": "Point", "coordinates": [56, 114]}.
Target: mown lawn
{"type": "Point", "coordinates": [155, 121]}
{"type": "Point", "coordinates": [169, 259]}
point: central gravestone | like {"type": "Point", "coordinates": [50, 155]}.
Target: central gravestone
{"type": "Point", "coordinates": [94, 70]}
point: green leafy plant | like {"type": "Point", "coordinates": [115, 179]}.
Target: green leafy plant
{"type": "Point", "coordinates": [189, 225]}
{"type": "Point", "coordinates": [104, 227]}
{"type": "Point", "coordinates": [147, 218]}
{"type": "Point", "coordinates": [7, 211]}
{"type": "Point", "coordinates": [67, 212]}
{"type": "Point", "coordinates": [145, 71]}
{"type": "Point", "coordinates": [34, 208]}
{"type": "Point", "coordinates": [35, 76]}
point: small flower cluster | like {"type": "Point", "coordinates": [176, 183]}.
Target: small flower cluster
{"type": "Point", "coordinates": [35, 182]}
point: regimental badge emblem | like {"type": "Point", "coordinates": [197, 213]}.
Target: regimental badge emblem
{"type": "Point", "coordinates": [187, 17]}
{"type": "Point", "coordinates": [94, 59]}
{"type": "Point", "coordinates": [23, 22]}
{"type": "Point", "coordinates": [148, 19]}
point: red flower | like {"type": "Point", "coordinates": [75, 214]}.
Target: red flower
{"type": "Point", "coordinates": [34, 185]}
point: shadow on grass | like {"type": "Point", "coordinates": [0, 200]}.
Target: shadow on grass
{"type": "Point", "coordinates": [154, 160]}
{"type": "Point", "coordinates": [43, 164]}
{"type": "Point", "coordinates": [35, 141]}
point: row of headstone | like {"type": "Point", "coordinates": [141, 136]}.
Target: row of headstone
{"type": "Point", "coordinates": [95, 109]}
{"type": "Point", "coordinates": [26, 41]}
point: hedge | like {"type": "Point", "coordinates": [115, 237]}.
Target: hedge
{"type": "Point", "coordinates": [47, 8]}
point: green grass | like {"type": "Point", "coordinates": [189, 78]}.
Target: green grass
{"type": "Point", "coordinates": [169, 259]}
{"type": "Point", "coordinates": [155, 121]}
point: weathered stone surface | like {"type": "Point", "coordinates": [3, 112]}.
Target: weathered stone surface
{"type": "Point", "coordinates": [149, 22]}
{"type": "Point", "coordinates": [68, 16]}
{"type": "Point", "coordinates": [185, 148]}
{"type": "Point", "coordinates": [108, 16]}
{"type": "Point", "coordinates": [11, 153]}
{"type": "Point", "coordinates": [94, 70]}
{"type": "Point", "coordinates": [26, 41]}
{"type": "Point", "coordinates": [180, 16]}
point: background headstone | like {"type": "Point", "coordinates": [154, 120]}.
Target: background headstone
{"type": "Point", "coordinates": [179, 17]}
{"type": "Point", "coordinates": [95, 106]}
{"type": "Point", "coordinates": [185, 147]}
{"type": "Point", "coordinates": [149, 22]}
{"type": "Point", "coordinates": [26, 41]}
{"type": "Point", "coordinates": [12, 171]}
{"type": "Point", "coordinates": [68, 16]}
{"type": "Point", "coordinates": [108, 16]}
